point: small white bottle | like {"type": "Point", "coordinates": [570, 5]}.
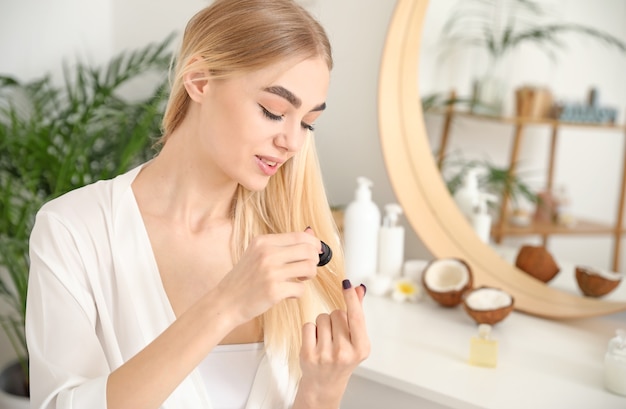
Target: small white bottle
{"type": "Point", "coordinates": [481, 219]}
{"type": "Point", "coordinates": [361, 225]}
{"type": "Point", "coordinates": [467, 196]}
{"type": "Point", "coordinates": [615, 364]}
{"type": "Point", "coordinates": [391, 242]}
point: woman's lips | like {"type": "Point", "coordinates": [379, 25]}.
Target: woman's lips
{"type": "Point", "coordinates": [268, 166]}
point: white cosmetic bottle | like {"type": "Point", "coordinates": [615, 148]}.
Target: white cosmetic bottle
{"type": "Point", "coordinates": [361, 225]}
{"type": "Point", "coordinates": [391, 242]}
{"type": "Point", "coordinates": [615, 364]}
{"type": "Point", "coordinates": [481, 219]}
{"type": "Point", "coordinates": [468, 195]}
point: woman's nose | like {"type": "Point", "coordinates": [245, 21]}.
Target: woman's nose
{"type": "Point", "coordinates": [291, 138]}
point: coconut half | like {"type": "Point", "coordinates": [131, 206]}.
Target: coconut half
{"type": "Point", "coordinates": [446, 280]}
{"type": "Point", "coordinates": [488, 305]}
{"type": "Point", "coordinates": [537, 262]}
{"type": "Point", "coordinates": [596, 283]}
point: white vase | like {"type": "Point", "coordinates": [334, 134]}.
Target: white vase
{"type": "Point", "coordinates": [12, 375]}
{"type": "Point", "coordinates": [490, 89]}
{"type": "Point", "coordinates": [489, 95]}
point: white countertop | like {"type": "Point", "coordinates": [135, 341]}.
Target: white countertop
{"type": "Point", "coordinates": [422, 349]}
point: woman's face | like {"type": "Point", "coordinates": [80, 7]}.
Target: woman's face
{"type": "Point", "coordinates": [252, 124]}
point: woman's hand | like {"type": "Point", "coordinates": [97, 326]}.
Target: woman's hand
{"type": "Point", "coordinates": [272, 268]}
{"type": "Point", "coordinates": [331, 349]}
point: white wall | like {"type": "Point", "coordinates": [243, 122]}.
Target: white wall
{"type": "Point", "coordinates": [36, 36]}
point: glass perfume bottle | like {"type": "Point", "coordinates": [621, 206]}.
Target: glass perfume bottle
{"type": "Point", "coordinates": [483, 349]}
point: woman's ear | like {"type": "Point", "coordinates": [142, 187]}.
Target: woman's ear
{"type": "Point", "coordinates": [196, 84]}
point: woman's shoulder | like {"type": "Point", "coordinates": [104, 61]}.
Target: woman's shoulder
{"type": "Point", "coordinates": [94, 198]}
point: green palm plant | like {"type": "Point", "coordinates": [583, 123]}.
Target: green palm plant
{"type": "Point", "coordinates": [499, 26]}
{"type": "Point", "coordinates": [494, 179]}
{"type": "Point", "coordinates": [439, 100]}
{"type": "Point", "coordinates": [55, 138]}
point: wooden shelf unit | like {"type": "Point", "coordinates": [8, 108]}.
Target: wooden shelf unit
{"type": "Point", "coordinates": [582, 227]}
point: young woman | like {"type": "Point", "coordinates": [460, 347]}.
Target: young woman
{"type": "Point", "coordinates": [192, 281]}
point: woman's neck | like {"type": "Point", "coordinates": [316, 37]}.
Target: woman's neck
{"type": "Point", "coordinates": [177, 185]}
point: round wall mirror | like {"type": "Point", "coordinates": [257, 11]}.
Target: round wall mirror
{"type": "Point", "coordinates": [420, 188]}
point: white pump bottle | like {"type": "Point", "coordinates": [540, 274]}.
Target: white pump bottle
{"type": "Point", "coordinates": [481, 219]}
{"type": "Point", "coordinates": [467, 197]}
{"type": "Point", "coordinates": [391, 242]}
{"type": "Point", "coordinates": [361, 225]}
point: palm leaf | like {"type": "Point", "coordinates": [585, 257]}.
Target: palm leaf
{"type": "Point", "coordinates": [54, 138]}
{"type": "Point", "coordinates": [478, 23]}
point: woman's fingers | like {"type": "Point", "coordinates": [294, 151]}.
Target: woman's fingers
{"type": "Point", "coordinates": [360, 291]}
{"type": "Point", "coordinates": [273, 268]}
{"type": "Point", "coordinates": [324, 332]}
{"type": "Point", "coordinates": [310, 232]}
{"type": "Point", "coordinates": [339, 328]}
{"type": "Point", "coordinates": [342, 329]}
{"type": "Point", "coordinates": [286, 257]}
{"type": "Point", "coordinates": [309, 336]}
{"type": "Point", "coordinates": [335, 346]}
{"type": "Point", "coordinates": [355, 316]}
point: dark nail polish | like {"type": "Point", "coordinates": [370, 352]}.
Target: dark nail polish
{"type": "Point", "coordinates": [364, 289]}
{"type": "Point", "coordinates": [307, 228]}
{"type": "Point", "coordinates": [346, 284]}
{"type": "Point", "coordinates": [325, 255]}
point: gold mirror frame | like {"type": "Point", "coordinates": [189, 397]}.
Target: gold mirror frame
{"type": "Point", "coordinates": [421, 191]}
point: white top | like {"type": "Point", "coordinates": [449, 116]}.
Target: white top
{"type": "Point", "coordinates": [95, 299]}
{"type": "Point", "coordinates": [229, 372]}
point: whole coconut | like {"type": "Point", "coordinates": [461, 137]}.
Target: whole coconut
{"type": "Point", "coordinates": [537, 262]}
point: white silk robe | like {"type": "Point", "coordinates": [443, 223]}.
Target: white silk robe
{"type": "Point", "coordinates": [95, 299]}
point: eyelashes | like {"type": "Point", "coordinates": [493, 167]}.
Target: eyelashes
{"type": "Point", "coordinates": [270, 115]}
{"type": "Point", "coordinates": [274, 117]}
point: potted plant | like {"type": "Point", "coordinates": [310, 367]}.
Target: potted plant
{"type": "Point", "coordinates": [499, 181]}
{"type": "Point", "coordinates": [54, 138]}
{"type": "Point", "coordinates": [500, 26]}
{"type": "Point", "coordinates": [439, 100]}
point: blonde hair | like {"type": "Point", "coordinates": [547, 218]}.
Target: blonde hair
{"type": "Point", "coordinates": [233, 37]}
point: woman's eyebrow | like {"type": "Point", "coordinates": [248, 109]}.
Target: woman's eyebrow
{"type": "Point", "coordinates": [290, 97]}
